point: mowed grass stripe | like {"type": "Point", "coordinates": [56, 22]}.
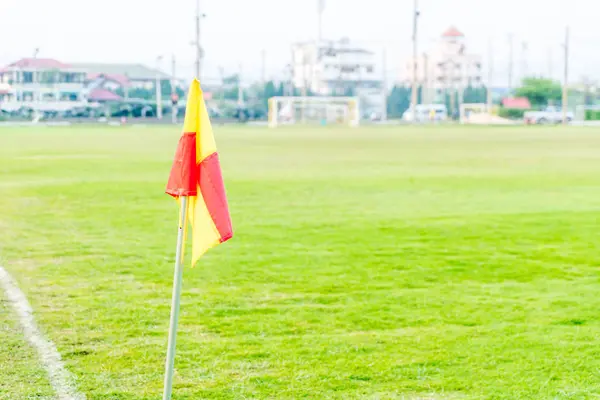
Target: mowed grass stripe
{"type": "Point", "coordinates": [367, 263]}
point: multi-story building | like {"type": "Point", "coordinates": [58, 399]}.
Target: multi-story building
{"type": "Point", "coordinates": [49, 85]}
{"type": "Point", "coordinates": [447, 67]}
{"type": "Point", "coordinates": [337, 68]}
{"type": "Point", "coordinates": [34, 82]}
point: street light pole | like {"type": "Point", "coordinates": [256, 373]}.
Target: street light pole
{"type": "Point", "coordinates": [565, 97]}
{"type": "Point", "coordinates": [174, 106]}
{"type": "Point", "coordinates": [413, 97]}
{"type": "Point", "coordinates": [158, 89]}
{"type": "Point", "coordinates": [196, 43]}
{"type": "Point", "coordinates": [490, 76]}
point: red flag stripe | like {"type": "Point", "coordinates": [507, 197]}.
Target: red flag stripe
{"type": "Point", "coordinates": [183, 179]}
{"type": "Point", "coordinates": [213, 191]}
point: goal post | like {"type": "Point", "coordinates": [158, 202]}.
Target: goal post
{"type": "Point", "coordinates": [314, 110]}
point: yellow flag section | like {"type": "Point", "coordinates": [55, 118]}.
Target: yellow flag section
{"type": "Point", "coordinates": [196, 173]}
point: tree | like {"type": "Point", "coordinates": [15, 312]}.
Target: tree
{"type": "Point", "coordinates": [540, 91]}
{"type": "Point", "coordinates": [150, 94]}
{"type": "Point", "coordinates": [475, 95]}
{"type": "Point", "coordinates": [280, 89]}
{"type": "Point", "coordinates": [269, 91]}
{"type": "Point", "coordinates": [398, 101]}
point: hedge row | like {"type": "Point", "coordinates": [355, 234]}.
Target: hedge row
{"type": "Point", "coordinates": [511, 113]}
{"type": "Point", "coordinates": [592, 115]}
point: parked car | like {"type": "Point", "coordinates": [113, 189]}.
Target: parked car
{"type": "Point", "coordinates": [550, 115]}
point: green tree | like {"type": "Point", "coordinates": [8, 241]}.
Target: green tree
{"type": "Point", "coordinates": [540, 91]}
{"type": "Point", "coordinates": [398, 101]}
{"type": "Point", "coordinates": [231, 80]}
{"type": "Point", "coordinates": [150, 94]}
{"type": "Point", "coordinates": [269, 91]}
{"type": "Point", "coordinates": [475, 94]}
{"type": "Point", "coordinates": [280, 89]}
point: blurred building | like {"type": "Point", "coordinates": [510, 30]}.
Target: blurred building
{"type": "Point", "coordinates": [35, 81]}
{"type": "Point", "coordinates": [114, 76]}
{"type": "Point", "coordinates": [447, 66]}
{"type": "Point", "coordinates": [337, 68]}
{"type": "Point", "coordinates": [50, 85]}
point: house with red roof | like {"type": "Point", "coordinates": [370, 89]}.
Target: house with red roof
{"type": "Point", "coordinates": [112, 76]}
{"type": "Point", "coordinates": [42, 80]}
{"type": "Point", "coordinates": [521, 103]}
{"type": "Point", "coordinates": [49, 84]}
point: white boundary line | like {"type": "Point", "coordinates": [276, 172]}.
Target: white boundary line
{"type": "Point", "coordinates": [60, 379]}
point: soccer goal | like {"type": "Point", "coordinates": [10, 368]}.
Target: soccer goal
{"type": "Point", "coordinates": [314, 110]}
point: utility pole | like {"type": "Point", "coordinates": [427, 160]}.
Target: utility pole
{"type": "Point", "coordinates": [452, 87]}
{"type": "Point", "coordinates": [413, 95]}
{"type": "Point", "coordinates": [425, 89]}
{"type": "Point", "coordinates": [550, 63]}
{"type": "Point", "coordinates": [320, 9]}
{"type": "Point", "coordinates": [566, 78]}
{"type": "Point", "coordinates": [37, 95]}
{"type": "Point", "coordinates": [174, 108]}
{"type": "Point", "coordinates": [196, 42]}
{"type": "Point", "coordinates": [304, 85]}
{"type": "Point", "coordinates": [490, 76]}
{"type": "Point", "coordinates": [524, 70]}
{"type": "Point", "coordinates": [289, 86]}
{"type": "Point", "coordinates": [263, 67]}
{"type": "Point", "coordinates": [240, 90]}
{"type": "Point", "coordinates": [158, 89]}
{"type": "Point", "coordinates": [510, 60]}
{"type": "Point", "coordinates": [222, 75]}
{"type": "Point", "coordinates": [126, 88]}
{"type": "Point", "coordinates": [263, 74]}
{"type": "Point", "coordinates": [384, 86]}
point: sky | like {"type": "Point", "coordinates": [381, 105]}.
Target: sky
{"type": "Point", "coordinates": [235, 33]}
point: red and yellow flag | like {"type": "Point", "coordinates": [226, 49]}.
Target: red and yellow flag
{"type": "Point", "coordinates": [196, 173]}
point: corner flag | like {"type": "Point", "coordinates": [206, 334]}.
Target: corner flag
{"type": "Point", "coordinates": [196, 174]}
{"type": "Point", "coordinates": [196, 182]}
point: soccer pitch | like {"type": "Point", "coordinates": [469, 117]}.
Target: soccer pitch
{"type": "Point", "coordinates": [368, 263]}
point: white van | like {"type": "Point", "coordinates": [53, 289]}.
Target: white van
{"type": "Point", "coordinates": [427, 112]}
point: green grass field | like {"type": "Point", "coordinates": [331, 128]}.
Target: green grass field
{"type": "Point", "coordinates": [375, 263]}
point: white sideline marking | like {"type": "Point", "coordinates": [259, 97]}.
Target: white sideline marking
{"type": "Point", "coordinates": [60, 379]}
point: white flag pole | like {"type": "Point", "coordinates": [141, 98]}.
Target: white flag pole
{"type": "Point", "coordinates": [177, 280]}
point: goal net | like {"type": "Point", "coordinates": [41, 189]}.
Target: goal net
{"type": "Point", "coordinates": [314, 110]}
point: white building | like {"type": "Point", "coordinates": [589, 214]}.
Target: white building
{"type": "Point", "coordinates": [446, 66]}
{"type": "Point", "coordinates": [337, 69]}
{"type": "Point", "coordinates": [31, 82]}
{"type": "Point", "coordinates": [50, 85]}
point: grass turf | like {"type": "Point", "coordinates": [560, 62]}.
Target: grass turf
{"type": "Point", "coordinates": [21, 376]}
{"type": "Point", "coordinates": [375, 263]}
